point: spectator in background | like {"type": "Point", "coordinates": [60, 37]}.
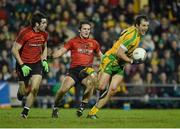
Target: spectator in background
{"type": "Point", "coordinates": [129, 13]}
{"type": "Point", "coordinates": [1, 76]}
{"type": "Point", "coordinates": [151, 89]}
{"type": "Point", "coordinates": [154, 59]}
{"type": "Point", "coordinates": [155, 73]}
{"type": "Point", "coordinates": [145, 10]}
{"type": "Point", "coordinates": [6, 73]}
{"type": "Point", "coordinates": [122, 23]}
{"type": "Point", "coordinates": [175, 52]}
{"type": "Point", "coordinates": [153, 22]}
{"type": "Point", "coordinates": [148, 44]}
{"type": "Point", "coordinates": [164, 26]}
{"type": "Point", "coordinates": [164, 90]}
{"type": "Point", "coordinates": [176, 88]}
{"type": "Point", "coordinates": [170, 65]}
{"type": "Point", "coordinates": [105, 41]}
{"type": "Point", "coordinates": [138, 89]}
{"type": "Point", "coordinates": [142, 70]}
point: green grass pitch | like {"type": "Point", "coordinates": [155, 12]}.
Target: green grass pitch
{"type": "Point", "coordinates": [109, 118]}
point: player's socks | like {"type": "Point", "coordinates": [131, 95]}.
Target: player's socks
{"type": "Point", "coordinates": [81, 109]}
{"type": "Point", "coordinates": [102, 93]}
{"type": "Point", "coordinates": [93, 111]}
{"type": "Point", "coordinates": [19, 96]}
{"type": "Point", "coordinates": [25, 111]}
{"type": "Point", "coordinates": [55, 112]}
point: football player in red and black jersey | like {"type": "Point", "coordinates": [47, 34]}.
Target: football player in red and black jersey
{"type": "Point", "coordinates": [82, 48]}
{"type": "Point", "coordinates": [30, 51]}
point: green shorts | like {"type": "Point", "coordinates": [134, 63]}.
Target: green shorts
{"type": "Point", "coordinates": [110, 64]}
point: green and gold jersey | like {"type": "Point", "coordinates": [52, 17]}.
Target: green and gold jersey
{"type": "Point", "coordinates": [128, 40]}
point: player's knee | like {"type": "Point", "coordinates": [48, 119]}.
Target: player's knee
{"type": "Point", "coordinates": [34, 91]}
{"type": "Point", "coordinates": [88, 88]}
{"type": "Point", "coordinates": [27, 90]}
{"type": "Point", "coordinates": [113, 91]}
{"type": "Point", "coordinates": [63, 90]}
{"type": "Point", "coordinates": [101, 87]}
{"type": "Point", "coordinates": [89, 83]}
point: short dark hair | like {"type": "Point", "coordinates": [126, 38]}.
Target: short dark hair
{"type": "Point", "coordinates": [139, 18]}
{"type": "Point", "coordinates": [83, 22]}
{"type": "Point", "coordinates": [36, 18]}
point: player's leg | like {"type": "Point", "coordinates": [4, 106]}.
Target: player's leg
{"type": "Point", "coordinates": [23, 82]}
{"type": "Point", "coordinates": [88, 83]}
{"type": "Point", "coordinates": [115, 82]}
{"type": "Point", "coordinates": [35, 81]}
{"type": "Point", "coordinates": [108, 66]}
{"type": "Point", "coordinates": [23, 90]}
{"type": "Point", "coordinates": [88, 78]}
{"type": "Point", "coordinates": [103, 82]}
{"type": "Point", "coordinates": [67, 83]}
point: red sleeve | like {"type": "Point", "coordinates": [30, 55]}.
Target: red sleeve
{"type": "Point", "coordinates": [21, 38]}
{"type": "Point", "coordinates": [68, 45]}
{"type": "Point", "coordinates": [97, 47]}
{"type": "Point", "coordinates": [46, 36]}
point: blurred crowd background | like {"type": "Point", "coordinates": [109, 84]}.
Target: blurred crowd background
{"type": "Point", "coordinates": [159, 76]}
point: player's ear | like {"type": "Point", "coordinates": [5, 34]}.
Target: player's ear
{"type": "Point", "coordinates": [36, 24]}
{"type": "Point", "coordinates": [136, 25]}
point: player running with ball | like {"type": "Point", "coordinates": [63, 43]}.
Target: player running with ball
{"type": "Point", "coordinates": [112, 64]}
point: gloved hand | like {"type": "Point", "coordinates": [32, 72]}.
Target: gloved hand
{"type": "Point", "coordinates": [25, 69]}
{"type": "Point", "coordinates": [45, 65]}
{"type": "Point", "coordinates": [136, 61]}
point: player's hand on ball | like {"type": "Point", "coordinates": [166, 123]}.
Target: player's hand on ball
{"type": "Point", "coordinates": [139, 61]}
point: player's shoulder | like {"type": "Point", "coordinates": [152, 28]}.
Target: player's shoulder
{"type": "Point", "coordinates": [45, 33]}
{"type": "Point", "coordinates": [25, 32]}
{"type": "Point", "coordinates": [93, 40]}
{"type": "Point", "coordinates": [74, 39]}
{"type": "Point", "coordinates": [129, 31]}
{"type": "Point", "coordinates": [26, 29]}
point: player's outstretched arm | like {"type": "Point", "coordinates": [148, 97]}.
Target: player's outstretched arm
{"type": "Point", "coordinates": [59, 52]}
{"type": "Point", "coordinates": [100, 54]}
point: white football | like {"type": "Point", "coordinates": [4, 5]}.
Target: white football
{"type": "Point", "coordinates": [139, 53]}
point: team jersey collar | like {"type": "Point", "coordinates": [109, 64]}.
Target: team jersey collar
{"type": "Point", "coordinates": [82, 37]}
{"type": "Point", "coordinates": [138, 34]}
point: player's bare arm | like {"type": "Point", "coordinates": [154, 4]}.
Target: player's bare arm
{"type": "Point", "coordinates": [121, 54]}
{"type": "Point", "coordinates": [59, 52]}
{"type": "Point", "coordinates": [44, 53]}
{"type": "Point", "coordinates": [15, 51]}
{"type": "Point", "coordinates": [100, 54]}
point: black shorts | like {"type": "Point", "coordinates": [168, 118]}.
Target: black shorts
{"type": "Point", "coordinates": [79, 73]}
{"type": "Point", "coordinates": [36, 69]}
